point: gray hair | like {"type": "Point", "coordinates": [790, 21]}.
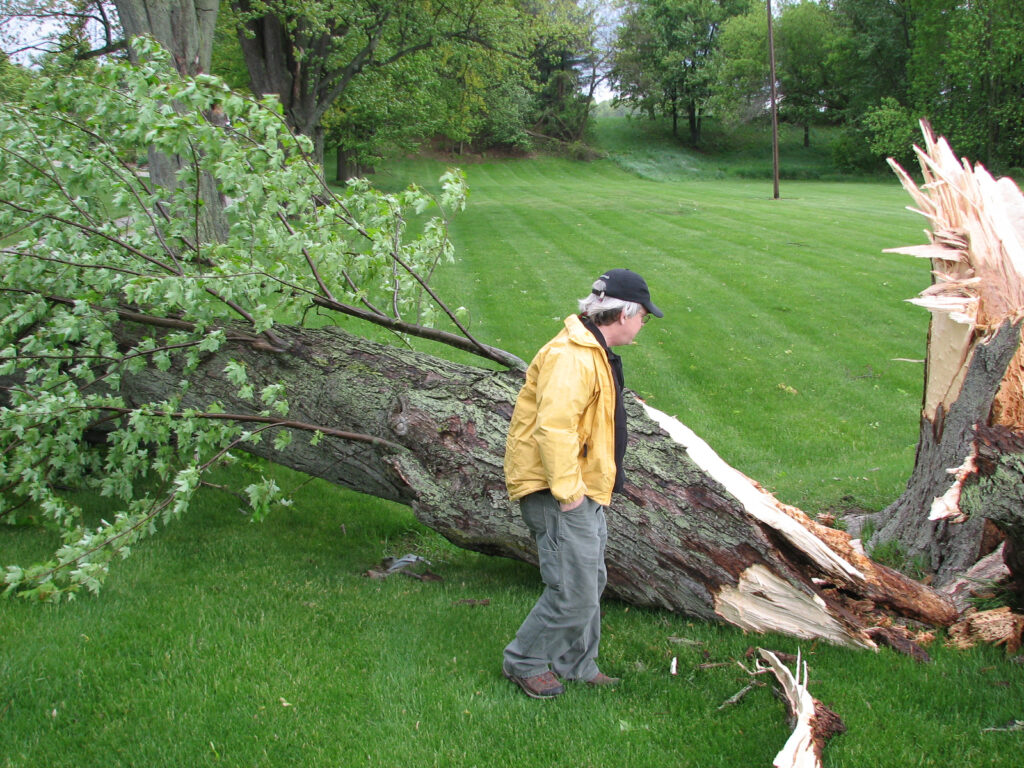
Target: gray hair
{"type": "Point", "coordinates": [605, 310]}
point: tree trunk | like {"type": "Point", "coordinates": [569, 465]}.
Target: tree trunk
{"type": "Point", "coordinates": [950, 546]}
{"type": "Point", "coordinates": [184, 27]}
{"type": "Point", "coordinates": [974, 375]}
{"type": "Point", "coordinates": [304, 84]}
{"type": "Point", "coordinates": [694, 119]}
{"type": "Point", "coordinates": [689, 534]}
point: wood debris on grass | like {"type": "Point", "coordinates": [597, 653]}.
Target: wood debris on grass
{"type": "Point", "coordinates": [813, 723]}
{"type": "Point", "coordinates": [736, 697]}
{"type": "Point", "coordinates": [902, 640]}
{"type": "Point", "coordinates": [1013, 725]}
{"type": "Point", "coordinates": [999, 626]}
{"type": "Point", "coordinates": [391, 566]}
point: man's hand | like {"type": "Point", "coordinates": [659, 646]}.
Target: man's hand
{"type": "Point", "coordinates": [567, 506]}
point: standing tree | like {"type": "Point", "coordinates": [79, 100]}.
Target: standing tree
{"type": "Point", "coordinates": [872, 51]}
{"type": "Point", "coordinates": [565, 57]}
{"type": "Point", "coordinates": [804, 45]}
{"type": "Point", "coordinates": [978, 102]}
{"type": "Point", "coordinates": [14, 80]}
{"type": "Point", "coordinates": [317, 54]}
{"type": "Point", "coordinates": [804, 42]}
{"type": "Point", "coordinates": [309, 55]}
{"type": "Point", "coordinates": [958, 64]}
{"type": "Point", "coordinates": [660, 64]}
{"type": "Point", "coordinates": [184, 27]}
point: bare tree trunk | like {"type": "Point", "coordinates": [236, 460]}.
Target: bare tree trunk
{"type": "Point", "coordinates": [184, 27]}
{"type": "Point", "coordinates": [689, 534]}
{"type": "Point", "coordinates": [269, 48]}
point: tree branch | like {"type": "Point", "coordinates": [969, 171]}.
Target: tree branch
{"type": "Point", "coordinates": [269, 421]}
{"type": "Point", "coordinates": [506, 359]}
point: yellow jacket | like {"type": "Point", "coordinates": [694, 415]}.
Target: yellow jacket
{"type": "Point", "coordinates": [562, 435]}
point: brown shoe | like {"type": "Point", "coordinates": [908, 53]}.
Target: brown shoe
{"type": "Point", "coordinates": [601, 679]}
{"type": "Point", "coordinates": [545, 686]}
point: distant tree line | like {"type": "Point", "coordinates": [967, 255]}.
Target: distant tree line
{"type": "Point", "coordinates": [873, 68]}
{"type": "Point", "coordinates": [365, 78]}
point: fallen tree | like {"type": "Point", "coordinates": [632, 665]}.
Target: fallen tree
{"type": "Point", "coordinates": [689, 533]}
{"type": "Point", "coordinates": [171, 346]}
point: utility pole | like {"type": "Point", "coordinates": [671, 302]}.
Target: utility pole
{"type": "Point", "coordinates": [775, 106]}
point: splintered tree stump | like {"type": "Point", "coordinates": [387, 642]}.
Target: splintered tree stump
{"type": "Point", "coordinates": [950, 544]}
{"type": "Point", "coordinates": [973, 370]}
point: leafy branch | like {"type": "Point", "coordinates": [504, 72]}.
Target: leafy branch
{"type": "Point", "coordinates": [141, 214]}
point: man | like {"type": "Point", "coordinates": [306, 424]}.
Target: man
{"type": "Point", "coordinates": [563, 460]}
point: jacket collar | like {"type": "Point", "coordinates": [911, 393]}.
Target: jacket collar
{"type": "Point", "coordinates": [579, 334]}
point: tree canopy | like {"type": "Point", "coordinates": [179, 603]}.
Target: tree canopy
{"type": "Point", "coordinates": [374, 77]}
{"type": "Point", "coordinates": [873, 67]}
{"type": "Point", "coordinates": [661, 59]}
{"type": "Point", "coordinates": [369, 77]}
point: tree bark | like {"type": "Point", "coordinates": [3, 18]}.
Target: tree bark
{"type": "Point", "coordinates": [951, 546]}
{"type": "Point", "coordinates": [269, 48]}
{"type": "Point", "coordinates": [184, 27]}
{"type": "Point", "coordinates": [689, 534]}
{"type": "Point", "coordinates": [996, 491]}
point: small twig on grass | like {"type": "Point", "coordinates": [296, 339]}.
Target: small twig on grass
{"type": "Point", "coordinates": [226, 489]}
{"type": "Point", "coordinates": [735, 698]}
{"type": "Point", "coordinates": [1013, 725]}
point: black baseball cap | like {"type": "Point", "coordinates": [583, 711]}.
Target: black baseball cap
{"type": "Point", "coordinates": [626, 285]}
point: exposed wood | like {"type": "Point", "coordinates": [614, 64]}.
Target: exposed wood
{"type": "Point", "coordinates": [813, 723]}
{"type": "Point", "coordinates": [973, 373]}
{"type": "Point", "coordinates": [899, 640]}
{"type": "Point", "coordinates": [949, 543]}
{"type": "Point", "coordinates": [689, 534]}
{"type": "Point", "coordinates": [990, 569]}
{"type": "Point", "coordinates": [837, 561]}
{"type": "Point", "coordinates": [999, 626]}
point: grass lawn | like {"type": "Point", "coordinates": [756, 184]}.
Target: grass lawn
{"type": "Point", "coordinates": [222, 642]}
{"type": "Point", "coordinates": [786, 327]}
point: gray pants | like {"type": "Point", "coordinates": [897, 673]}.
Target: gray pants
{"type": "Point", "coordinates": [563, 630]}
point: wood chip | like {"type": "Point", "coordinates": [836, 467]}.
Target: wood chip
{"type": "Point", "coordinates": [999, 626]}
